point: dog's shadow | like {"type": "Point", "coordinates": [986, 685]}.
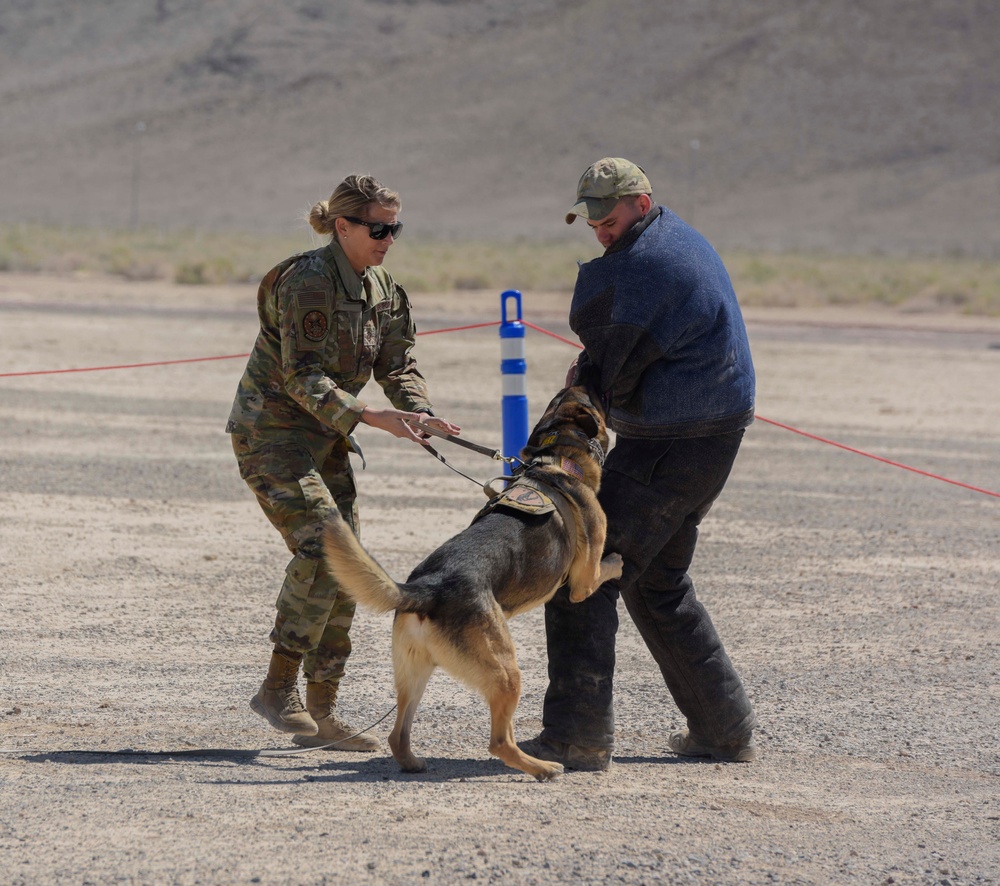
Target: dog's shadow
{"type": "Point", "coordinates": [325, 766]}
{"type": "Point", "coordinates": [439, 769]}
{"type": "Point", "coordinates": [451, 769]}
{"type": "Point", "coordinates": [320, 766]}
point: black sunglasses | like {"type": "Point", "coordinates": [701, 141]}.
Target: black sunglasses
{"type": "Point", "coordinates": [377, 230]}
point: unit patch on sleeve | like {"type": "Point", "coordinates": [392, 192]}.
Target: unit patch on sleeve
{"type": "Point", "coordinates": [315, 326]}
{"type": "Point", "coordinates": [312, 319]}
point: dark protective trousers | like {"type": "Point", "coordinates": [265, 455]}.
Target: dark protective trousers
{"type": "Point", "coordinates": [655, 494]}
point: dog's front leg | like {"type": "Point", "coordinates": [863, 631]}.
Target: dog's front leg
{"type": "Point", "coordinates": [608, 568]}
{"type": "Point", "coordinates": [611, 567]}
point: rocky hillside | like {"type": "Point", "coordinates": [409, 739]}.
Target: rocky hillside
{"type": "Point", "coordinates": [834, 124]}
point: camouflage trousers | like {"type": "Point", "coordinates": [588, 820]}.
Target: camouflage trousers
{"type": "Point", "coordinates": [299, 479]}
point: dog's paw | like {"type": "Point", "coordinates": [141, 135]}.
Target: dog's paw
{"type": "Point", "coordinates": [611, 566]}
{"type": "Point", "coordinates": [413, 764]}
{"type": "Point", "coordinates": [549, 771]}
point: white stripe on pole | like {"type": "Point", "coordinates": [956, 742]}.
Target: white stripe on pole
{"type": "Point", "coordinates": [514, 385]}
{"type": "Point", "coordinates": [512, 349]}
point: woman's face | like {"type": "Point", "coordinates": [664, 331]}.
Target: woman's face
{"type": "Point", "coordinates": [361, 249]}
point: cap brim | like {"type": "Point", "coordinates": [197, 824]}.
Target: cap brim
{"type": "Point", "coordinates": [592, 208]}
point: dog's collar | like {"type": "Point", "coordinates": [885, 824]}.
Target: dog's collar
{"type": "Point", "coordinates": [594, 445]}
{"type": "Point", "coordinates": [561, 462]}
{"type": "Point", "coordinates": [591, 444]}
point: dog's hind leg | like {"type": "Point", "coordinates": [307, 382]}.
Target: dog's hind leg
{"type": "Point", "coordinates": [501, 684]}
{"type": "Point", "coordinates": [413, 666]}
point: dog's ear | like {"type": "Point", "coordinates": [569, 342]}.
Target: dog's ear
{"type": "Point", "coordinates": [587, 422]}
{"type": "Point", "coordinates": [588, 377]}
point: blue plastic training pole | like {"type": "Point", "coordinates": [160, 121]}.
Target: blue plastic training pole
{"type": "Point", "coordinates": [514, 368]}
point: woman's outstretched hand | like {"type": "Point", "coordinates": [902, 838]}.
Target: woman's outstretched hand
{"type": "Point", "coordinates": [399, 423]}
{"type": "Point", "coordinates": [439, 424]}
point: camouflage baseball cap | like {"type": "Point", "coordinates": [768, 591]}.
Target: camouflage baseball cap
{"type": "Point", "coordinates": [603, 184]}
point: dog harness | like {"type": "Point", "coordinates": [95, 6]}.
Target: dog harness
{"type": "Point", "coordinates": [532, 496]}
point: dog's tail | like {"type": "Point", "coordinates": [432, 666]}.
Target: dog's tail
{"type": "Point", "coordinates": [356, 571]}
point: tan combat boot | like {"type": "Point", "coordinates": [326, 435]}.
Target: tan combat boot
{"type": "Point", "coordinates": [278, 701]}
{"type": "Point", "coordinates": [321, 701]}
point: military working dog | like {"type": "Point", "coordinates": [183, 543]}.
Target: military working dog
{"type": "Point", "coordinates": [543, 530]}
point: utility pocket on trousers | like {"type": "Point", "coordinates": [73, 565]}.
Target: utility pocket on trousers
{"type": "Point", "coordinates": [637, 458]}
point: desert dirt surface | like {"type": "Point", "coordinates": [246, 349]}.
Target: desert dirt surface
{"type": "Point", "coordinates": [137, 581]}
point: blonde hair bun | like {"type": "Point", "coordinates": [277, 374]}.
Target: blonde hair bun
{"type": "Point", "coordinates": [320, 218]}
{"type": "Point", "coordinates": [351, 197]}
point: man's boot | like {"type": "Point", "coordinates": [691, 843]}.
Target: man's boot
{"type": "Point", "coordinates": [321, 701]}
{"type": "Point", "coordinates": [278, 701]}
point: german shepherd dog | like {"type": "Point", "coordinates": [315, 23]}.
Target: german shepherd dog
{"type": "Point", "coordinates": [452, 611]}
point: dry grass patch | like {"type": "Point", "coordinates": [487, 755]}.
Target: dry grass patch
{"type": "Point", "coordinates": [910, 283]}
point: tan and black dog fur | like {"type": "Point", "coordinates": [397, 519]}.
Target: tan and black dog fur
{"type": "Point", "coordinates": [452, 611]}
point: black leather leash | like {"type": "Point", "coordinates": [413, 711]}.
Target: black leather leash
{"type": "Point", "coordinates": [495, 454]}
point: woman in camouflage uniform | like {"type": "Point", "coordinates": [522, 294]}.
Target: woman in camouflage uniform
{"type": "Point", "coordinates": [329, 320]}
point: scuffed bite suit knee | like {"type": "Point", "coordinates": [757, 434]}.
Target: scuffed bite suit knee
{"type": "Point", "coordinates": [580, 639]}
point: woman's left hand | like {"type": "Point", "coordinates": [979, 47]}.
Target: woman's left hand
{"type": "Point", "coordinates": [439, 424]}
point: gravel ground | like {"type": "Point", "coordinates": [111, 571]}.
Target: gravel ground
{"type": "Point", "coordinates": [137, 578]}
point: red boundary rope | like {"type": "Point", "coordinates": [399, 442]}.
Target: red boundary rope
{"type": "Point", "coordinates": [121, 366]}
{"type": "Point", "coordinates": [819, 439]}
{"type": "Point", "coordinates": [203, 359]}
{"type": "Point", "coordinates": [551, 334]}
{"type": "Point", "coordinates": [886, 461]}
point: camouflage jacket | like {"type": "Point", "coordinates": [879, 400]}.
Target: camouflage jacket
{"type": "Point", "coordinates": [323, 332]}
